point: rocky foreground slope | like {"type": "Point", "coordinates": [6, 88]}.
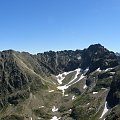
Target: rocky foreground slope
{"type": "Point", "coordinates": [63, 85]}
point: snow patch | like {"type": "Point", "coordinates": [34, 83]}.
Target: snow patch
{"type": "Point", "coordinates": [41, 107]}
{"type": "Point", "coordinates": [62, 88]}
{"type": "Point", "coordinates": [73, 97]}
{"type": "Point", "coordinates": [54, 109]}
{"type": "Point", "coordinates": [51, 91]}
{"type": "Point", "coordinates": [85, 86]}
{"type": "Point", "coordinates": [66, 95]}
{"type": "Point", "coordinates": [72, 82]}
{"type": "Point", "coordinates": [103, 88]}
{"type": "Point", "coordinates": [106, 109]}
{"type": "Point", "coordinates": [108, 69]}
{"type": "Point", "coordinates": [61, 77]}
{"type": "Point", "coordinates": [112, 73]}
{"type": "Point", "coordinates": [90, 108]}
{"type": "Point", "coordinates": [98, 70]}
{"type": "Point", "coordinates": [86, 70]}
{"type": "Point", "coordinates": [75, 81]}
{"type": "Point", "coordinates": [111, 77]}
{"type": "Point", "coordinates": [79, 58]}
{"type": "Point", "coordinates": [39, 118]}
{"type": "Point", "coordinates": [55, 118]}
{"type": "Point", "coordinates": [95, 93]}
{"type": "Point", "coordinates": [77, 73]}
{"type": "Point", "coordinates": [88, 103]}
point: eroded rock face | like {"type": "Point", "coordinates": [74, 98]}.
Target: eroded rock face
{"type": "Point", "coordinates": [114, 94]}
{"type": "Point", "coordinates": [93, 57]}
{"type": "Point", "coordinates": [25, 82]}
{"type": "Point", "coordinates": [60, 61]}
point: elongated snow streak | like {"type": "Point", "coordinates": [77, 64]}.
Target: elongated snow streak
{"type": "Point", "coordinates": [106, 108]}
{"type": "Point", "coordinates": [95, 93]}
{"type": "Point", "coordinates": [62, 76]}
{"type": "Point", "coordinates": [108, 69]}
{"type": "Point", "coordinates": [78, 71]}
{"type": "Point", "coordinates": [55, 118]}
{"type": "Point", "coordinates": [103, 88]}
{"type": "Point", "coordinates": [81, 77]}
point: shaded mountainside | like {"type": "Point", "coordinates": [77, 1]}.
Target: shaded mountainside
{"type": "Point", "coordinates": [65, 85]}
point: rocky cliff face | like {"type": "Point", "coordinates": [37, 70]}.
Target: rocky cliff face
{"type": "Point", "coordinates": [70, 60]}
{"type": "Point", "coordinates": [66, 85]}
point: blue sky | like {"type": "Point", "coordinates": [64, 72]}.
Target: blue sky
{"type": "Point", "coordinates": [43, 25]}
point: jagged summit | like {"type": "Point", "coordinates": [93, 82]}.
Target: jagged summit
{"type": "Point", "coordinates": [96, 46]}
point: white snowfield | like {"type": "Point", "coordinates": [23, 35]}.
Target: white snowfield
{"type": "Point", "coordinates": [55, 118]}
{"type": "Point", "coordinates": [73, 81]}
{"type": "Point", "coordinates": [106, 109]}
{"type": "Point", "coordinates": [54, 109]}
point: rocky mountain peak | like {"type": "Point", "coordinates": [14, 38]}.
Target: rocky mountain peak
{"type": "Point", "coordinates": [96, 47]}
{"type": "Point", "coordinates": [70, 84]}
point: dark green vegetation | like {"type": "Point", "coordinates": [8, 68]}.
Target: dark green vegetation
{"type": "Point", "coordinates": [28, 86]}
